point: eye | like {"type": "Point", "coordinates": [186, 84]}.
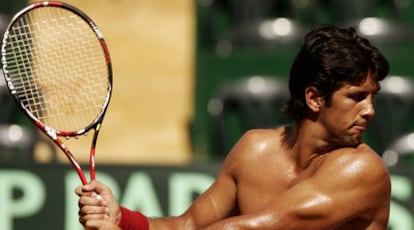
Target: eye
{"type": "Point", "coordinates": [358, 96]}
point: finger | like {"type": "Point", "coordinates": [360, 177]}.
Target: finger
{"type": "Point", "coordinates": [93, 210]}
{"type": "Point", "coordinates": [85, 189]}
{"type": "Point", "coordinates": [101, 225]}
{"type": "Point", "coordinates": [100, 188]}
{"type": "Point", "coordinates": [78, 191]}
{"type": "Point", "coordinates": [93, 217]}
{"type": "Point", "coordinates": [90, 200]}
{"type": "Point", "coordinates": [88, 187]}
{"type": "Point", "coordinates": [93, 224]}
{"type": "Point", "coordinates": [83, 219]}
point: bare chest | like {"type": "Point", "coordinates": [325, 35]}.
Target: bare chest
{"type": "Point", "coordinates": [257, 187]}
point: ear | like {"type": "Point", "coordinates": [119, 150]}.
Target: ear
{"type": "Point", "coordinates": [313, 98]}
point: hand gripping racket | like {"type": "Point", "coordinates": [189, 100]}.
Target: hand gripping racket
{"type": "Point", "coordinates": [58, 69]}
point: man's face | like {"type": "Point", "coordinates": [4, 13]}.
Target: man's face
{"type": "Point", "coordinates": [350, 111]}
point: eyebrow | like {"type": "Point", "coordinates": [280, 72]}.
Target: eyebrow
{"type": "Point", "coordinates": [360, 89]}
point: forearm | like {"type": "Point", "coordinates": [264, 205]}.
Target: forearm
{"type": "Point", "coordinates": [246, 222]}
{"type": "Point", "coordinates": [271, 221]}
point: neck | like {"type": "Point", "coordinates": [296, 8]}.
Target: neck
{"type": "Point", "coordinates": [304, 143]}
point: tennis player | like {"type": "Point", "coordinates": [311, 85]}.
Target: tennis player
{"type": "Point", "coordinates": [314, 174]}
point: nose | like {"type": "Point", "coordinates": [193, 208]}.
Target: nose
{"type": "Point", "coordinates": [369, 108]}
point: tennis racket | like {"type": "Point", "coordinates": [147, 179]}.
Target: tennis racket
{"type": "Point", "coordinates": [57, 67]}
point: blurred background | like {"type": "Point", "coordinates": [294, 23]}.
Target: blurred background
{"type": "Point", "coordinates": [190, 76]}
{"type": "Point", "coordinates": [152, 46]}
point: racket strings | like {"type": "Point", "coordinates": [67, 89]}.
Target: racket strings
{"type": "Point", "coordinates": [57, 68]}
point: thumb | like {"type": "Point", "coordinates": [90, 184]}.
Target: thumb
{"type": "Point", "coordinates": [99, 187]}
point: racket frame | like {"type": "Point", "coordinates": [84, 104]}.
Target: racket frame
{"type": "Point", "coordinates": [52, 133]}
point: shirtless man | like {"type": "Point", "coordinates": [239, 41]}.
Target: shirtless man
{"type": "Point", "coordinates": [315, 174]}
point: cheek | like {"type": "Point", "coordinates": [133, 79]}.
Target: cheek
{"type": "Point", "coordinates": [336, 117]}
{"type": "Point", "coordinates": [342, 108]}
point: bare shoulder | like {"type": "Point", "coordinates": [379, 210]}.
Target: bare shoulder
{"type": "Point", "coordinates": [361, 160]}
{"type": "Point", "coordinates": [263, 134]}
{"type": "Point", "coordinates": [363, 177]}
{"type": "Point", "coordinates": [361, 168]}
{"type": "Point", "coordinates": [257, 141]}
{"type": "Point", "coordinates": [254, 146]}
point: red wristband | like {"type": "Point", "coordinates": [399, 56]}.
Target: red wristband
{"type": "Point", "coordinates": [133, 220]}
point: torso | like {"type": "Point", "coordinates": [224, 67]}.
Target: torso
{"type": "Point", "coordinates": [268, 173]}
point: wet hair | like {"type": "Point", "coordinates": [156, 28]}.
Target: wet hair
{"type": "Point", "coordinates": [330, 58]}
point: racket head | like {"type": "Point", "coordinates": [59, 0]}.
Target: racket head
{"type": "Point", "coordinates": [57, 67]}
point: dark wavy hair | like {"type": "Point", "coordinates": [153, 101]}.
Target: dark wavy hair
{"type": "Point", "coordinates": [330, 58]}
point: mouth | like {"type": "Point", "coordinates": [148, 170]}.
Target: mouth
{"type": "Point", "coordinates": [360, 127]}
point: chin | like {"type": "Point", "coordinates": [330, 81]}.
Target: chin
{"type": "Point", "coordinates": [355, 140]}
{"type": "Point", "coordinates": [350, 140]}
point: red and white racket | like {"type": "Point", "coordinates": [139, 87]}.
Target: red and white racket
{"type": "Point", "coordinates": [57, 67]}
